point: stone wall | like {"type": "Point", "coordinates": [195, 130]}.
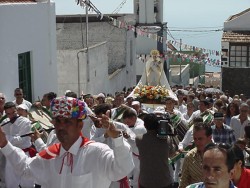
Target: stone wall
{"type": "Point", "coordinates": [72, 36]}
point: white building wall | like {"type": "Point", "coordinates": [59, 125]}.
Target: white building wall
{"type": "Point", "coordinates": [69, 74]}
{"type": "Point", "coordinates": [28, 27]}
{"type": "Point", "coordinates": [241, 23]}
{"type": "Point", "coordinates": [149, 12]}
{"type": "Point", "coordinates": [140, 67]}
{"type": "Point", "coordinates": [160, 15]}
{"type": "Point", "coordinates": [112, 58]}
{"type": "Point", "coordinates": [100, 80]}
{"type": "Point", "coordinates": [185, 76]}
{"type": "Point", "coordinates": [144, 11]}
{"type": "Point", "coordinates": [144, 45]}
{"type": "Point", "coordinates": [142, 15]}
{"type": "Point", "coordinates": [128, 76]}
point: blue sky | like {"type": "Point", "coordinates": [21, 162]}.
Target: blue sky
{"type": "Point", "coordinates": [180, 14]}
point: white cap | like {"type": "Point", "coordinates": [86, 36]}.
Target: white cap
{"type": "Point", "coordinates": [67, 91]}
{"type": "Point", "coordinates": [135, 103]}
{"type": "Point", "coordinates": [100, 95]}
{"type": "Point", "coordinates": [23, 106]}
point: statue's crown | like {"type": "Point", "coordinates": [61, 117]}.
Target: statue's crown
{"type": "Point", "coordinates": [154, 52]}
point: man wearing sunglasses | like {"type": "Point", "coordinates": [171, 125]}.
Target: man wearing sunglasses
{"type": "Point", "coordinates": [18, 93]}
{"type": "Point", "coordinates": [217, 167]}
{"type": "Point", "coordinates": [74, 162]}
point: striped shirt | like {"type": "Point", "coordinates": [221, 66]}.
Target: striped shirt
{"type": "Point", "coordinates": [191, 169]}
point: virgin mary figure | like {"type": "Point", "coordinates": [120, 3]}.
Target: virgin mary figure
{"type": "Point", "coordinates": [153, 73]}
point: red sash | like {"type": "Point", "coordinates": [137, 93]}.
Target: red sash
{"type": "Point", "coordinates": [124, 183]}
{"type": "Point", "coordinates": [53, 151]}
{"type": "Point", "coordinates": [32, 151]}
{"type": "Point", "coordinates": [136, 155]}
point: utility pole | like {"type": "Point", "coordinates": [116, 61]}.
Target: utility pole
{"type": "Point", "coordinates": [180, 62]}
{"type": "Point", "coordinates": [87, 42]}
{"type": "Point", "coordinates": [166, 62]}
{"type": "Point", "coordinates": [161, 47]}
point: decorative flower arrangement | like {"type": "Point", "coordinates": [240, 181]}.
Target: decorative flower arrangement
{"type": "Point", "coordinates": [145, 93]}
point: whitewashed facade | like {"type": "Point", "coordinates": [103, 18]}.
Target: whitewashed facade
{"type": "Point", "coordinates": [28, 28]}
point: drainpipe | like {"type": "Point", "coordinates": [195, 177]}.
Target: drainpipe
{"type": "Point", "coordinates": [86, 50]}
{"type": "Point", "coordinates": [180, 63]}
{"type": "Point", "coordinates": [87, 38]}
{"type": "Point", "coordinates": [78, 71]}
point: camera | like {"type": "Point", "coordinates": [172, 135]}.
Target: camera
{"type": "Point", "coordinates": [165, 127]}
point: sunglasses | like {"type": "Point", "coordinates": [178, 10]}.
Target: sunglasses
{"type": "Point", "coordinates": [223, 146]}
{"type": "Point", "coordinates": [18, 94]}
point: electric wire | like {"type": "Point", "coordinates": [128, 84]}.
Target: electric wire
{"type": "Point", "coordinates": [119, 7]}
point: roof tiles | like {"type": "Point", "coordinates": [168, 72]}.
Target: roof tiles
{"type": "Point", "coordinates": [242, 37]}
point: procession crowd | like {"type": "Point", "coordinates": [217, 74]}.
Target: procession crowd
{"type": "Point", "coordinates": [109, 141]}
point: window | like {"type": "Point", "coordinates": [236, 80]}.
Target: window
{"type": "Point", "coordinates": [24, 71]}
{"type": "Point", "coordinates": [239, 55]}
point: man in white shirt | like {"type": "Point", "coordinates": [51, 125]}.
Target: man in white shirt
{"type": "Point", "coordinates": [18, 93]}
{"type": "Point", "coordinates": [102, 136]}
{"type": "Point", "coordinates": [75, 161]}
{"type": "Point", "coordinates": [203, 106]}
{"type": "Point", "coordinates": [116, 112]}
{"type": "Point", "coordinates": [181, 103]}
{"type": "Point", "coordinates": [239, 122]}
{"type": "Point", "coordinates": [14, 126]}
{"type": "Point", "coordinates": [136, 125]}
